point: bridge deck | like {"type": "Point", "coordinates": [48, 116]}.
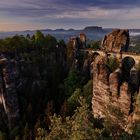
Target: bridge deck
{"type": "Point", "coordinates": [135, 56]}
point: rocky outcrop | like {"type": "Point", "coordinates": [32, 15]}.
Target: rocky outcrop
{"type": "Point", "coordinates": [113, 98]}
{"type": "Point", "coordinates": [116, 41]}
{"type": "Point", "coordinates": [82, 38]}
{"type": "Point", "coordinates": [23, 84]}
{"type": "Point", "coordinates": [116, 93]}
{"type": "Point", "coordinates": [88, 65]}
{"type": "Point", "coordinates": [9, 98]}
{"type": "Point", "coordinates": [73, 50]}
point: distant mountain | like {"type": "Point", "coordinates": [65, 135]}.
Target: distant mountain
{"type": "Point", "coordinates": [93, 29]}
{"type": "Point", "coordinates": [92, 32]}
{"type": "Point", "coordinates": [27, 31]}
{"type": "Point", "coordinates": [59, 30]}
{"type": "Point", "coordinates": [86, 29]}
{"type": "Point", "coordinates": [71, 29]}
{"type": "Point", "coordinates": [46, 30]}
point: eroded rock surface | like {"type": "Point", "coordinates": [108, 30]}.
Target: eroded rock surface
{"type": "Point", "coordinates": [113, 98]}
{"type": "Point", "coordinates": [8, 78]}
{"type": "Point", "coordinates": [116, 41]}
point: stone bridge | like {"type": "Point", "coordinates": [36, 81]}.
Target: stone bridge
{"type": "Point", "coordinates": [118, 55]}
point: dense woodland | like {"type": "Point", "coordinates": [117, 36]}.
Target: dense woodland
{"type": "Point", "coordinates": [54, 88]}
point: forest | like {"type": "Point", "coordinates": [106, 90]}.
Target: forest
{"type": "Point", "coordinates": [53, 85]}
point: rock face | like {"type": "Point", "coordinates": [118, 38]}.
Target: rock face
{"type": "Point", "coordinates": [9, 98]}
{"type": "Point", "coordinates": [73, 50]}
{"type": "Point", "coordinates": [116, 94]}
{"type": "Point", "coordinates": [113, 97]}
{"type": "Point", "coordinates": [116, 41]}
{"type": "Point", "coordinates": [82, 38]}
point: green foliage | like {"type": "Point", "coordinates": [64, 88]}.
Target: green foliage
{"type": "Point", "coordinates": [127, 64]}
{"type": "Point", "coordinates": [14, 132]}
{"type": "Point", "coordinates": [82, 123]}
{"type": "Point", "coordinates": [61, 43]}
{"type": "Point", "coordinates": [138, 67]}
{"type": "Point", "coordinates": [14, 44]}
{"type": "Point", "coordinates": [2, 136]}
{"type": "Point", "coordinates": [75, 96]}
{"type": "Point", "coordinates": [73, 101]}
{"type": "Point", "coordinates": [94, 45]}
{"type": "Point", "coordinates": [41, 67]}
{"type": "Point", "coordinates": [135, 45]}
{"type": "Point", "coordinates": [47, 80]}
{"type": "Point", "coordinates": [88, 91]}
{"type": "Point", "coordinates": [40, 134]}
{"type": "Point", "coordinates": [77, 127]}
{"type": "Point", "coordinates": [42, 64]}
{"type": "Point", "coordinates": [51, 43]}
{"type": "Point", "coordinates": [39, 39]}
{"type": "Point", "coordinates": [113, 63]}
{"type": "Point", "coordinates": [111, 124]}
{"type": "Point", "coordinates": [136, 130]}
{"type": "Point", "coordinates": [135, 49]}
{"type": "Point", "coordinates": [72, 82]}
{"type": "Point", "coordinates": [59, 130]}
{"type": "Point", "coordinates": [27, 132]}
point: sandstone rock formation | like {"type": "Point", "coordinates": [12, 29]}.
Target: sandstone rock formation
{"type": "Point", "coordinates": [116, 41]}
{"type": "Point", "coordinates": [116, 94]}
{"type": "Point", "coordinates": [8, 95]}
{"type": "Point", "coordinates": [24, 78]}
{"type": "Point", "coordinates": [73, 50]}
{"type": "Point", "coordinates": [82, 38]}
{"type": "Point", "coordinates": [113, 98]}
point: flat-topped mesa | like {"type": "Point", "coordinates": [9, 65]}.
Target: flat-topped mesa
{"type": "Point", "coordinates": [93, 29]}
{"type": "Point", "coordinates": [116, 41]}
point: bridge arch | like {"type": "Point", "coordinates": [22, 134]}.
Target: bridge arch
{"type": "Point", "coordinates": [127, 64]}
{"type": "Point", "coordinates": [95, 54]}
{"type": "Point", "coordinates": [128, 61]}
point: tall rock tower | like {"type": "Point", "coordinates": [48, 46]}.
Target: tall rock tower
{"type": "Point", "coordinates": [82, 38]}
{"type": "Point", "coordinates": [113, 91]}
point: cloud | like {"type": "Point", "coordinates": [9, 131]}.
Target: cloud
{"type": "Point", "coordinates": [46, 12]}
{"type": "Point", "coordinates": [37, 8]}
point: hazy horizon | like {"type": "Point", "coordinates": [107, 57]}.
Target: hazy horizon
{"type": "Point", "coordinates": [53, 29]}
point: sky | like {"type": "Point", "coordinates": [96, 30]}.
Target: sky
{"type": "Point", "coordinates": [17, 15]}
